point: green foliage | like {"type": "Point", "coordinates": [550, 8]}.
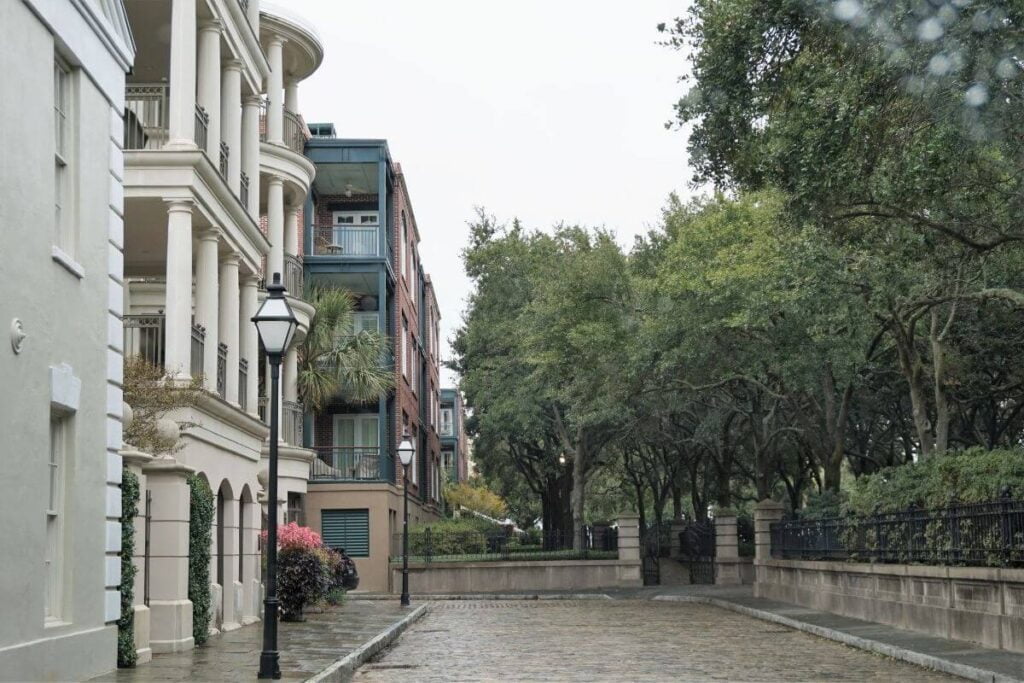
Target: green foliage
{"type": "Point", "coordinates": [462, 536]}
{"type": "Point", "coordinates": [302, 579]}
{"type": "Point", "coordinates": [152, 395]}
{"type": "Point", "coordinates": [477, 497]}
{"type": "Point", "coordinates": [971, 476]}
{"type": "Point", "coordinates": [126, 653]}
{"type": "Point", "coordinates": [200, 538]}
{"type": "Point", "coordinates": [335, 359]}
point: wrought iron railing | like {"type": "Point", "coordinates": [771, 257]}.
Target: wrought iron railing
{"type": "Point", "coordinates": [337, 240]}
{"type": "Point", "coordinates": [202, 127]}
{"type": "Point", "coordinates": [243, 382]}
{"type": "Point", "coordinates": [983, 534]}
{"type": "Point", "coordinates": [146, 116]}
{"type": "Point", "coordinates": [222, 369]}
{"type": "Point", "coordinates": [243, 189]}
{"type": "Point", "coordinates": [294, 132]}
{"type": "Point", "coordinates": [197, 350]}
{"type": "Point", "coordinates": [293, 281]}
{"type": "Point", "coordinates": [502, 544]}
{"type": "Point", "coordinates": [291, 422]}
{"type": "Point", "coordinates": [244, 4]}
{"type": "Point", "coordinates": [348, 463]}
{"type": "Point", "coordinates": [144, 337]}
{"type": "Point", "coordinates": [225, 154]}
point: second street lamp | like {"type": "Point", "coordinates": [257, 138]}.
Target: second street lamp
{"type": "Point", "coordinates": [405, 452]}
{"type": "Point", "coordinates": [275, 324]}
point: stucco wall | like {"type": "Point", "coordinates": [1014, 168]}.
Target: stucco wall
{"type": "Point", "coordinates": [71, 315]}
{"type": "Point", "coordinates": [490, 577]}
{"type": "Point", "coordinates": [384, 503]}
{"type": "Point", "coordinates": [976, 604]}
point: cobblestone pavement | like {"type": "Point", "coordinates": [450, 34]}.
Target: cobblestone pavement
{"type": "Point", "coordinates": [306, 648]}
{"type": "Point", "coordinates": [628, 640]}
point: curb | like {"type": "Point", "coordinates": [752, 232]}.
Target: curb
{"type": "Point", "coordinates": [492, 596]}
{"type": "Point", "coordinates": [971, 673]}
{"type": "Point", "coordinates": [342, 669]}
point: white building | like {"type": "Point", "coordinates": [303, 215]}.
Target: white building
{"type": "Point", "coordinates": [208, 159]}
{"type": "Point", "coordinates": [63, 65]}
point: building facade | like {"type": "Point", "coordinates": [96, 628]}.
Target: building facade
{"type": "Point", "coordinates": [361, 235]}
{"type": "Point", "coordinates": [61, 97]}
{"type": "Point", "coordinates": [454, 441]}
{"type": "Point", "coordinates": [215, 179]}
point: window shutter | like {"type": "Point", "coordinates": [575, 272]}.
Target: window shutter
{"type": "Point", "coordinates": [348, 529]}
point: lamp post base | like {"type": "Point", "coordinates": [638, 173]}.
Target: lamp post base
{"type": "Point", "coordinates": [270, 666]}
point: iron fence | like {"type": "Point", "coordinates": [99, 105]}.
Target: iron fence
{"type": "Point", "coordinates": [146, 115]}
{"type": "Point", "coordinates": [983, 534]}
{"type": "Point", "coordinates": [293, 280]}
{"type": "Point", "coordinates": [352, 463]}
{"type": "Point", "coordinates": [144, 337]}
{"type": "Point", "coordinates": [450, 545]}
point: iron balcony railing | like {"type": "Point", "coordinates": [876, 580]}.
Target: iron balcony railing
{"type": "Point", "coordinates": [502, 544]}
{"type": "Point", "coordinates": [293, 129]}
{"type": "Point", "coordinates": [225, 154]}
{"type": "Point", "coordinates": [293, 279]}
{"type": "Point", "coordinates": [222, 369]}
{"type": "Point", "coordinates": [144, 336]}
{"type": "Point", "coordinates": [983, 534]}
{"type": "Point", "coordinates": [243, 382]}
{"type": "Point", "coordinates": [291, 420]}
{"type": "Point", "coordinates": [202, 127]}
{"type": "Point", "coordinates": [352, 463]}
{"type": "Point", "coordinates": [338, 240]}
{"type": "Point", "coordinates": [146, 116]}
{"type": "Point", "coordinates": [243, 189]}
{"type": "Point", "coordinates": [198, 347]}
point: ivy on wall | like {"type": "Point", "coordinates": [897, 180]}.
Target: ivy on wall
{"type": "Point", "coordinates": [126, 654]}
{"type": "Point", "coordinates": [199, 539]}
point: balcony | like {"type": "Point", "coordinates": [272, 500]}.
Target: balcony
{"type": "Point", "coordinates": [293, 129]}
{"type": "Point", "coordinates": [146, 116]}
{"type": "Point", "coordinates": [144, 337]}
{"type": "Point", "coordinates": [337, 240]}
{"type": "Point", "coordinates": [352, 463]}
{"type": "Point", "coordinates": [293, 279]}
{"type": "Point", "coordinates": [243, 383]}
{"type": "Point", "coordinates": [291, 420]}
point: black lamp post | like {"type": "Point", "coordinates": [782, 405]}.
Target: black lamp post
{"type": "Point", "coordinates": [275, 324]}
{"type": "Point", "coordinates": [405, 452]}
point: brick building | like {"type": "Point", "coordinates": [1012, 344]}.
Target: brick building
{"type": "Point", "coordinates": [360, 234]}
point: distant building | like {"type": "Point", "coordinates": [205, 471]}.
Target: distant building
{"type": "Point", "coordinates": [454, 442]}
{"type": "Point", "coordinates": [361, 235]}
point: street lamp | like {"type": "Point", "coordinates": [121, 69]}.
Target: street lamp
{"type": "Point", "coordinates": [405, 452]}
{"type": "Point", "coordinates": [275, 324]}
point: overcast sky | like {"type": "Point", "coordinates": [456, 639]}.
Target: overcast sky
{"type": "Point", "coordinates": [546, 110]}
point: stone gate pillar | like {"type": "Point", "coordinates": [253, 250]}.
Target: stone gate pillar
{"type": "Point", "coordinates": [727, 555]}
{"type": "Point", "coordinates": [765, 513]}
{"type": "Point", "coordinates": [629, 572]}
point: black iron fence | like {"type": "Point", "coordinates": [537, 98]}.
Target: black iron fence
{"type": "Point", "coordinates": [448, 545]}
{"type": "Point", "coordinates": [983, 535]}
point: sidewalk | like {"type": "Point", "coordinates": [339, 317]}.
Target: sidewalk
{"type": "Point", "coordinates": [353, 632]}
{"type": "Point", "coordinates": [955, 657]}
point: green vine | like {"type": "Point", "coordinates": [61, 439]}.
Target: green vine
{"type": "Point", "coordinates": [199, 540]}
{"type": "Point", "coordinates": [126, 653]}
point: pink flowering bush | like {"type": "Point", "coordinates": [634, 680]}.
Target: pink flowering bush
{"type": "Point", "coordinates": [291, 536]}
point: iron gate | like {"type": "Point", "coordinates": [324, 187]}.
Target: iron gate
{"type": "Point", "coordinates": [697, 550]}
{"type": "Point", "coordinates": [651, 556]}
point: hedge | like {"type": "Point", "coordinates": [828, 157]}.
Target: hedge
{"type": "Point", "coordinates": [126, 653]}
{"type": "Point", "coordinates": [199, 539]}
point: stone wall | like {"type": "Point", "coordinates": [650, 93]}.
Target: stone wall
{"type": "Point", "coordinates": [982, 605]}
{"type": "Point", "coordinates": [494, 577]}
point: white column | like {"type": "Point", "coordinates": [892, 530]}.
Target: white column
{"type": "Point", "coordinates": [207, 301]}
{"type": "Point", "coordinates": [291, 233]}
{"type": "Point", "coordinates": [251, 150]}
{"type": "Point", "coordinates": [275, 227]}
{"type": "Point", "coordinates": [229, 306]}
{"type": "Point", "coordinates": [248, 343]}
{"type": "Point", "coordinates": [252, 11]}
{"type": "Point", "coordinates": [208, 85]}
{"type": "Point", "coordinates": [182, 106]}
{"type": "Point", "coordinates": [178, 290]}
{"type": "Point", "coordinates": [275, 92]}
{"type": "Point", "coordinates": [231, 119]}
{"type": "Point", "coordinates": [291, 96]}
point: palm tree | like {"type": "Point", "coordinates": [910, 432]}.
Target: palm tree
{"type": "Point", "coordinates": [334, 359]}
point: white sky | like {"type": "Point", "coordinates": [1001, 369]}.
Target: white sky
{"type": "Point", "coordinates": [549, 110]}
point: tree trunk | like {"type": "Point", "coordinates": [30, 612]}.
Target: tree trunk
{"type": "Point", "coordinates": [578, 490]}
{"type": "Point", "coordinates": [677, 502]}
{"type": "Point", "coordinates": [939, 369]}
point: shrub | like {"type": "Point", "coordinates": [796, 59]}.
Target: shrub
{"type": "Point", "coordinates": [465, 536]}
{"type": "Point", "coordinates": [334, 567]}
{"type": "Point", "coordinates": [126, 654]}
{"type": "Point", "coordinates": [199, 539]}
{"type": "Point", "coordinates": [292, 536]}
{"type": "Point", "coordinates": [302, 580]}
{"type": "Point", "coordinates": [476, 497]}
{"type": "Point", "coordinates": [973, 476]}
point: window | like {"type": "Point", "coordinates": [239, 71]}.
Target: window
{"type": "Point", "coordinates": [348, 529]}
{"type": "Point", "coordinates": [447, 426]}
{"type": "Point", "coordinates": [64, 235]}
{"type": "Point", "coordinates": [404, 341]}
{"type": "Point", "coordinates": [361, 218]}
{"type": "Point", "coordinates": [355, 232]}
{"type": "Point", "coordinates": [402, 247]}
{"type": "Point", "coordinates": [415, 362]}
{"type": "Point", "coordinates": [436, 485]}
{"type": "Point", "coordinates": [366, 322]}
{"type": "Point", "coordinates": [54, 556]}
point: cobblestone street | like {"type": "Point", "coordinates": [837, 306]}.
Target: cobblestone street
{"type": "Point", "coordinates": [618, 640]}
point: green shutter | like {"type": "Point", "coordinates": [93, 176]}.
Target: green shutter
{"type": "Point", "coordinates": [348, 529]}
